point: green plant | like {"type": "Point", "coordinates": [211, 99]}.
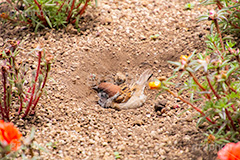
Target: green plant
{"type": "Point", "coordinates": [117, 156]}
{"type": "Point", "coordinates": [21, 89]}
{"type": "Point", "coordinates": [154, 37]}
{"type": "Point", "coordinates": [189, 6]}
{"type": "Point", "coordinates": [211, 80]}
{"type": "Point", "coordinates": [50, 13]}
{"type": "Point", "coordinates": [227, 14]}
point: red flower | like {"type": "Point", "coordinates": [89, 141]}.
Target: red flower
{"type": "Point", "coordinates": [230, 151]}
{"type": "Point", "coordinates": [9, 135]}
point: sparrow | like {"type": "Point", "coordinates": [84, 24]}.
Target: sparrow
{"type": "Point", "coordinates": [123, 96]}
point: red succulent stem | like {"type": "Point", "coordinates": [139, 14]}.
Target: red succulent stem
{"type": "Point", "coordinates": [229, 117]}
{"type": "Point", "coordinates": [21, 104]}
{"type": "Point", "coordinates": [218, 50]}
{"type": "Point", "coordinates": [70, 12]}
{"type": "Point", "coordinates": [219, 33]}
{"type": "Point", "coordinates": [81, 10]}
{"type": "Point", "coordinates": [67, 7]}
{"type": "Point", "coordinates": [34, 84]}
{"type": "Point", "coordinates": [60, 7]}
{"type": "Point", "coordinates": [189, 103]}
{"type": "Point", "coordinates": [41, 90]}
{"type": "Point", "coordinates": [5, 92]}
{"type": "Point", "coordinates": [234, 109]}
{"type": "Point", "coordinates": [1, 107]}
{"type": "Point", "coordinates": [11, 4]}
{"type": "Point", "coordinates": [213, 90]}
{"type": "Point", "coordinates": [41, 11]}
{"type": "Point", "coordinates": [220, 6]}
{"type": "Point", "coordinates": [200, 86]}
{"type": "Point", "coordinates": [230, 87]}
{"type": "Point", "coordinates": [234, 25]}
{"type": "Point", "coordinates": [9, 92]}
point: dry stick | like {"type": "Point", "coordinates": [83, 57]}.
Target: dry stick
{"type": "Point", "coordinates": [201, 87]}
{"type": "Point", "coordinates": [34, 84]}
{"type": "Point", "coordinates": [189, 103]}
{"type": "Point", "coordinates": [70, 12]}
{"type": "Point", "coordinates": [213, 90]}
{"type": "Point", "coordinates": [41, 90]}
{"type": "Point", "coordinates": [231, 121]}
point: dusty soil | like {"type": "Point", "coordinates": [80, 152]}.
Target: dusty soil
{"type": "Point", "coordinates": [115, 37]}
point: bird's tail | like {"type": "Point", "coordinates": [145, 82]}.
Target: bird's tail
{"type": "Point", "coordinates": [144, 77]}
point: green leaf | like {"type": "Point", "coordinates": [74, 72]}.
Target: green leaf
{"type": "Point", "coordinates": [96, 3]}
{"type": "Point", "coordinates": [48, 21]}
{"type": "Point", "coordinates": [174, 63]}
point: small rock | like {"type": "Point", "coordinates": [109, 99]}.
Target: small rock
{"type": "Point", "coordinates": [142, 37]}
{"type": "Point", "coordinates": [120, 78]}
{"type": "Point", "coordinates": [160, 105]}
{"type": "Point", "coordinates": [138, 122]}
{"type": "Point", "coordinates": [71, 29]}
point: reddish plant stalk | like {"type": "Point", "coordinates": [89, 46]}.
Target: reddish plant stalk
{"type": "Point", "coordinates": [60, 7]}
{"type": "Point", "coordinates": [81, 10]}
{"type": "Point", "coordinates": [41, 11]}
{"type": "Point", "coordinates": [70, 12]}
{"type": "Point", "coordinates": [5, 92]}
{"type": "Point", "coordinates": [11, 5]}
{"type": "Point", "coordinates": [34, 84]}
{"type": "Point", "coordinates": [41, 90]}
{"type": "Point", "coordinates": [230, 87]}
{"type": "Point", "coordinates": [67, 7]}
{"type": "Point", "coordinates": [219, 33]}
{"type": "Point", "coordinates": [21, 104]}
{"type": "Point", "coordinates": [1, 107]}
{"type": "Point", "coordinates": [231, 121]}
{"type": "Point", "coordinates": [201, 87]}
{"type": "Point", "coordinates": [189, 103]}
{"type": "Point", "coordinates": [218, 50]}
{"type": "Point", "coordinates": [213, 90]}
{"type": "Point", "coordinates": [220, 6]}
{"type": "Point", "coordinates": [235, 26]}
{"type": "Point", "coordinates": [9, 92]}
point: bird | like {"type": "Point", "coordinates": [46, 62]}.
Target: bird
{"type": "Point", "coordinates": [123, 96]}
